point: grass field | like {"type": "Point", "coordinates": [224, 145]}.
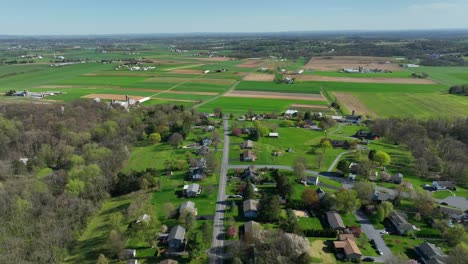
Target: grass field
{"type": "Point", "coordinates": [299, 87]}
{"type": "Point", "coordinates": [398, 74]}
{"type": "Point", "coordinates": [446, 75]}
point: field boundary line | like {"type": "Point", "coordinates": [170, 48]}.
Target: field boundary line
{"type": "Point", "coordinates": [233, 86]}
{"type": "Point", "coordinates": [173, 87]}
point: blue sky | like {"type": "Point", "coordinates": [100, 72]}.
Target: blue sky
{"type": "Point", "coordinates": [38, 17]}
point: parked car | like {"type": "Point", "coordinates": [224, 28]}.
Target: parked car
{"type": "Point", "coordinates": [235, 196]}
{"type": "Point", "coordinates": [379, 251]}
{"type": "Point", "coordinates": [384, 232]}
{"type": "Point", "coordinates": [368, 259]}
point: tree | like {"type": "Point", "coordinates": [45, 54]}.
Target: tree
{"type": "Point", "coordinates": [218, 112]}
{"type": "Point", "coordinates": [195, 244]}
{"type": "Point", "coordinates": [116, 220]}
{"type": "Point", "coordinates": [289, 224]}
{"type": "Point", "coordinates": [231, 231]}
{"type": "Point", "coordinates": [326, 145]}
{"type": "Point", "coordinates": [269, 208]}
{"type": "Point", "coordinates": [424, 203]}
{"type": "Point", "coordinates": [384, 209]}
{"type": "Point", "coordinates": [154, 138]}
{"type": "Point", "coordinates": [189, 220]}
{"type": "Point", "coordinates": [175, 139]}
{"type": "Point", "coordinates": [310, 198]}
{"type": "Point", "coordinates": [319, 156]}
{"type": "Point", "coordinates": [237, 132]}
{"type": "Point", "coordinates": [343, 166]}
{"type": "Point", "coordinates": [75, 187]}
{"type": "Point", "coordinates": [248, 191]}
{"type": "Point", "coordinates": [365, 191]}
{"type": "Point", "coordinates": [371, 154]}
{"type": "Point", "coordinates": [207, 232]}
{"type": "Point", "coordinates": [102, 259]}
{"type": "Point", "coordinates": [284, 186]}
{"type": "Point", "coordinates": [300, 165]}
{"type": "Point", "coordinates": [116, 242]}
{"type": "Point", "coordinates": [459, 254]}
{"type": "Point", "coordinates": [211, 162]}
{"type": "Point", "coordinates": [346, 201]}
{"type": "Point", "coordinates": [169, 210]}
{"type": "Point", "coordinates": [382, 158]}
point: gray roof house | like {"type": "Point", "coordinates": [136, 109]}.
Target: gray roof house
{"type": "Point", "coordinates": [250, 208]}
{"type": "Point", "coordinates": [443, 185]}
{"type": "Point", "coordinates": [335, 221]}
{"type": "Point", "coordinates": [193, 190]}
{"type": "Point", "coordinates": [380, 196]}
{"type": "Point", "coordinates": [176, 237]}
{"type": "Point", "coordinates": [400, 222]}
{"type": "Point", "coordinates": [252, 231]}
{"type": "Point", "coordinates": [188, 206]}
{"type": "Point", "coordinates": [430, 254]}
{"type": "Point", "coordinates": [247, 144]}
{"type": "Point", "coordinates": [397, 178]}
{"type": "Point", "coordinates": [320, 192]}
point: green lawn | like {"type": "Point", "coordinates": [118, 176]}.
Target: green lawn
{"type": "Point", "coordinates": [309, 223]}
{"type": "Point", "coordinates": [402, 245]}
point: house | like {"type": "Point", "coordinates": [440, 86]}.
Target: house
{"type": "Point", "coordinates": [444, 185]}
{"type": "Point", "coordinates": [248, 156]}
{"type": "Point", "coordinates": [188, 206]}
{"type": "Point", "coordinates": [380, 196]}
{"type": "Point", "coordinates": [273, 134]}
{"type": "Point", "coordinates": [290, 112]}
{"type": "Point", "coordinates": [250, 208]}
{"type": "Point", "coordinates": [400, 221]}
{"type": "Point", "coordinates": [335, 221]}
{"type": "Point", "coordinates": [452, 213]}
{"type": "Point", "coordinates": [192, 190]}
{"type": "Point", "coordinates": [346, 247]}
{"type": "Point", "coordinates": [197, 174]}
{"type": "Point", "coordinates": [430, 254]}
{"type": "Point", "coordinates": [363, 134]}
{"type": "Point", "coordinates": [311, 180]}
{"type": "Point", "coordinates": [340, 144]}
{"type": "Point", "coordinates": [206, 142]}
{"type": "Point", "coordinates": [321, 193]}
{"type": "Point", "coordinates": [252, 231]}
{"type": "Point", "coordinates": [128, 253]}
{"type": "Point", "coordinates": [247, 145]}
{"type": "Point", "coordinates": [176, 237]}
{"type": "Point", "coordinates": [353, 119]}
{"type": "Point", "coordinates": [397, 178]}
{"type": "Point", "coordinates": [197, 163]}
{"type": "Point", "coordinates": [168, 261]}
{"type": "Point", "coordinates": [250, 173]}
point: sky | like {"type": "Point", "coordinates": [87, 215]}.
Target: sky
{"type": "Point", "coordinates": [89, 17]}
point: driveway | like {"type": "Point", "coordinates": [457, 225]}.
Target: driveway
{"type": "Point", "coordinates": [372, 233]}
{"type": "Point", "coordinates": [456, 201]}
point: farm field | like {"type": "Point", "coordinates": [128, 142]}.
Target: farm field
{"type": "Point", "coordinates": [446, 75]}
{"type": "Point", "coordinates": [333, 63]}
{"type": "Point", "coordinates": [299, 87]}
{"type": "Point", "coordinates": [365, 80]}
{"type": "Point", "coordinates": [396, 74]}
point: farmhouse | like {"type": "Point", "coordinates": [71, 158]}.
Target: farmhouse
{"type": "Point", "coordinates": [248, 156]}
{"type": "Point", "coordinates": [353, 119]}
{"type": "Point", "coordinates": [129, 253]}
{"type": "Point", "coordinates": [363, 134]}
{"type": "Point", "coordinates": [247, 144]}
{"type": "Point", "coordinates": [176, 237]}
{"type": "Point", "coordinates": [188, 207]}
{"type": "Point", "coordinates": [444, 185]}
{"type": "Point", "coordinates": [340, 144]}
{"type": "Point", "coordinates": [250, 208]}
{"type": "Point", "coordinates": [192, 190]}
{"type": "Point", "coordinates": [197, 174]}
{"type": "Point", "coordinates": [346, 247]}
{"type": "Point", "coordinates": [311, 180]}
{"type": "Point", "coordinates": [252, 231]}
{"type": "Point", "coordinates": [250, 173]}
{"type": "Point", "coordinates": [335, 221]}
{"type": "Point", "coordinates": [400, 222]}
{"type": "Point", "coordinates": [430, 254]}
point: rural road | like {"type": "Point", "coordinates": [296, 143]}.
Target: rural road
{"type": "Point", "coordinates": [372, 233]}
{"type": "Point", "coordinates": [217, 244]}
{"type": "Point", "coordinates": [333, 165]}
{"type": "Point", "coordinates": [233, 86]}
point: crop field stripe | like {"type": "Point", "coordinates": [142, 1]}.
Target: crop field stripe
{"type": "Point", "coordinates": [184, 67]}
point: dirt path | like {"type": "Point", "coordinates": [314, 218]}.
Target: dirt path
{"type": "Point", "coordinates": [259, 77]}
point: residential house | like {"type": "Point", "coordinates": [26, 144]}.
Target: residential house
{"type": "Point", "coordinates": [273, 134]}
{"type": "Point", "coordinates": [192, 190]}
{"type": "Point", "coordinates": [430, 254]}
{"type": "Point", "coordinates": [247, 145]}
{"type": "Point", "coordinates": [252, 231]}
{"type": "Point", "coordinates": [452, 213]}
{"type": "Point", "coordinates": [311, 180]}
{"type": "Point", "coordinates": [444, 185]}
{"type": "Point", "coordinates": [335, 221]}
{"type": "Point", "coordinates": [340, 144]}
{"type": "Point", "coordinates": [380, 196]}
{"type": "Point", "coordinates": [321, 193]}
{"type": "Point", "coordinates": [400, 221]}
{"type": "Point", "coordinates": [206, 142]}
{"type": "Point", "coordinates": [250, 173]}
{"type": "Point", "coordinates": [397, 178]}
{"type": "Point", "coordinates": [176, 237]}
{"type": "Point", "coordinates": [363, 134]}
{"type": "Point", "coordinates": [197, 174]}
{"type": "Point", "coordinates": [248, 156]}
{"type": "Point", "coordinates": [203, 150]}
{"type": "Point", "coordinates": [353, 119]}
{"type": "Point", "coordinates": [188, 206]}
{"type": "Point", "coordinates": [346, 247]}
{"type": "Point", "coordinates": [168, 261]}
{"type": "Point", "coordinates": [198, 163]}
{"type": "Point", "coordinates": [250, 208]}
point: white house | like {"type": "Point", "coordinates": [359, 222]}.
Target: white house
{"type": "Point", "coordinates": [273, 134]}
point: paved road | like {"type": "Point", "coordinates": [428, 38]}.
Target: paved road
{"type": "Point", "coordinates": [333, 165]}
{"type": "Point", "coordinates": [217, 244]}
{"type": "Point", "coordinates": [456, 201]}
{"type": "Point", "coordinates": [372, 233]}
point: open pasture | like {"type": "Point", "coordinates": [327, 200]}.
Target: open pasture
{"type": "Point", "coordinates": [250, 63]}
{"type": "Point", "coordinates": [273, 95]}
{"type": "Point", "coordinates": [447, 75]}
{"type": "Point", "coordinates": [112, 96]}
{"type": "Point", "coordinates": [334, 63]}
{"type": "Point", "coordinates": [380, 87]}
{"type": "Point", "coordinates": [299, 87]}
{"type": "Point", "coordinates": [365, 80]}
{"type": "Point", "coordinates": [192, 80]}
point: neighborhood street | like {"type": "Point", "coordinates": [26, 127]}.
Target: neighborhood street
{"type": "Point", "coordinates": [217, 244]}
{"type": "Point", "coordinates": [372, 233]}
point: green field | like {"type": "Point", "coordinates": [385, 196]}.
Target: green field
{"type": "Point", "coordinates": [419, 105]}
{"type": "Point", "coordinates": [447, 75]}
{"type": "Point", "coordinates": [398, 74]}
{"type": "Point", "coordinates": [299, 87]}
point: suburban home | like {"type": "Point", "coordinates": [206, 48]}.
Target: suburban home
{"type": "Point", "coordinates": [380, 196]}
{"type": "Point", "coordinates": [335, 221]}
{"type": "Point", "coordinates": [452, 213]}
{"type": "Point", "coordinates": [444, 185]}
{"type": "Point", "coordinates": [248, 156]}
{"type": "Point", "coordinates": [400, 221]}
{"type": "Point", "coordinates": [206, 142]}
{"type": "Point", "coordinates": [250, 173]}
{"type": "Point", "coordinates": [340, 144]}
{"type": "Point", "coordinates": [250, 208]}
{"type": "Point", "coordinates": [189, 207]}
{"type": "Point", "coordinates": [311, 180]}
{"type": "Point", "coordinates": [321, 193]}
{"type": "Point", "coordinates": [346, 247]}
{"type": "Point", "coordinates": [247, 145]}
{"type": "Point", "coordinates": [353, 119]}
{"type": "Point", "coordinates": [252, 231]}
{"type": "Point", "coordinates": [168, 261]}
{"type": "Point", "coordinates": [273, 134]}
{"type": "Point", "coordinates": [192, 190]}
{"type": "Point", "coordinates": [397, 178]}
{"type": "Point", "coordinates": [198, 163]}
{"type": "Point", "coordinates": [197, 174]}
{"type": "Point", "coordinates": [362, 134]}
{"type": "Point", "coordinates": [430, 254]}
{"type": "Point", "coordinates": [176, 237]}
